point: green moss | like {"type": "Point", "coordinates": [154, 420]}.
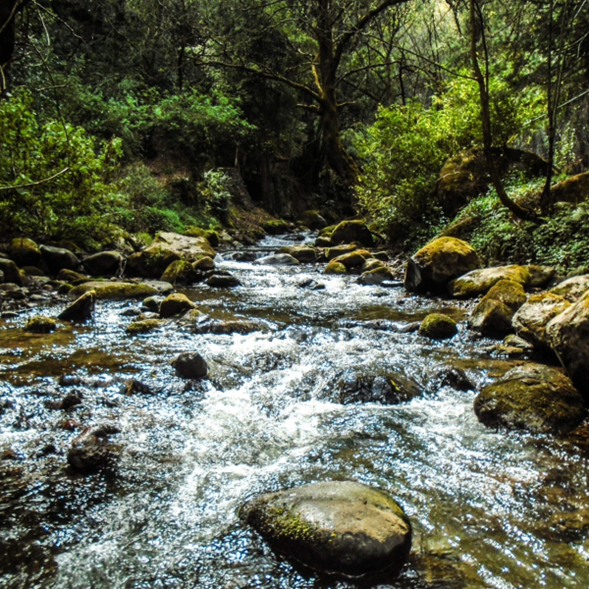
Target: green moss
{"type": "Point", "coordinates": [145, 326]}
{"type": "Point", "coordinates": [335, 268]}
{"type": "Point", "coordinates": [286, 524]}
{"type": "Point", "coordinates": [114, 290]}
{"type": "Point", "coordinates": [438, 326]}
{"type": "Point", "coordinates": [41, 324]}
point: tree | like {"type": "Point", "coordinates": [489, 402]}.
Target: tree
{"type": "Point", "coordinates": [316, 38]}
{"type": "Point", "coordinates": [8, 11]}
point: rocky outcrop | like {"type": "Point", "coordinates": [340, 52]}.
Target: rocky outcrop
{"type": "Point", "coordinates": [568, 334]}
{"type": "Point", "coordinates": [438, 326]}
{"type": "Point", "coordinates": [492, 316]}
{"type": "Point", "coordinates": [334, 527]}
{"type": "Point", "coordinates": [436, 264]}
{"type": "Point", "coordinates": [531, 319]}
{"type": "Point", "coordinates": [531, 397]}
{"type": "Point", "coordinates": [352, 231]}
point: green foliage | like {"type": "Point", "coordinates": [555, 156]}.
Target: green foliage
{"type": "Point", "coordinates": [77, 203]}
{"type": "Point", "coordinates": [215, 193]}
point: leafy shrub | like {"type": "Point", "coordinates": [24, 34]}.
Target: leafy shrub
{"type": "Point", "coordinates": [54, 177]}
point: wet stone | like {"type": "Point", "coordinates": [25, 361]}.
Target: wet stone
{"type": "Point", "coordinates": [92, 449]}
{"type": "Point", "coordinates": [223, 281]}
{"type": "Point", "coordinates": [190, 365]}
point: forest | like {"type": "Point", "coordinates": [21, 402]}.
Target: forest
{"type": "Point", "coordinates": [421, 117]}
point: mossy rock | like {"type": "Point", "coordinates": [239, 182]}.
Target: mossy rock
{"type": "Point", "coordinates": [11, 272]}
{"type": "Point", "coordinates": [108, 290]}
{"type": "Point", "coordinates": [439, 262]}
{"type": "Point", "coordinates": [175, 304]}
{"type": "Point", "coordinates": [573, 288]}
{"type": "Point", "coordinates": [180, 272]}
{"type": "Point", "coordinates": [376, 276]}
{"type": "Point", "coordinates": [144, 326]}
{"type": "Point", "coordinates": [438, 326]}
{"type": "Point", "coordinates": [479, 282]}
{"type": "Point", "coordinates": [349, 231]}
{"type": "Point", "coordinates": [532, 397]}
{"type": "Point", "coordinates": [276, 227]}
{"type": "Point", "coordinates": [25, 252]}
{"type": "Point", "coordinates": [304, 254]}
{"type": "Point", "coordinates": [223, 281]}
{"type": "Point", "coordinates": [72, 277]}
{"type": "Point", "coordinates": [81, 309]}
{"type": "Point", "coordinates": [339, 527]}
{"type": "Point", "coordinates": [313, 220]}
{"type": "Point", "coordinates": [211, 236]}
{"type": "Point", "coordinates": [372, 264]}
{"type": "Point", "coordinates": [335, 268]}
{"type": "Point", "coordinates": [41, 324]}
{"type": "Point", "coordinates": [354, 259]}
{"type": "Point", "coordinates": [532, 317]}
{"type": "Point", "coordinates": [340, 250]}
{"type": "Point", "coordinates": [205, 264]}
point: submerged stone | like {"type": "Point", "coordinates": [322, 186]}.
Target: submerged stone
{"type": "Point", "coordinates": [340, 527]}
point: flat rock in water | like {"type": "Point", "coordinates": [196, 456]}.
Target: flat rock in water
{"type": "Point", "coordinates": [110, 290]}
{"type": "Point", "coordinates": [278, 260]}
{"type": "Point", "coordinates": [340, 527]}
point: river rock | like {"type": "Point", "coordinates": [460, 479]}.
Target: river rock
{"type": "Point", "coordinates": [387, 389]}
{"type": "Point", "coordinates": [313, 220]}
{"type": "Point", "coordinates": [25, 252]}
{"type": "Point", "coordinates": [180, 272]}
{"type": "Point", "coordinates": [223, 281]}
{"type": "Point", "coordinates": [153, 303]}
{"type": "Point", "coordinates": [354, 259]}
{"type": "Point", "coordinates": [109, 263]}
{"type": "Point", "coordinates": [436, 264]}
{"type": "Point", "coordinates": [81, 309]}
{"type": "Point", "coordinates": [278, 260]}
{"type": "Point", "coordinates": [175, 304]}
{"type": "Point", "coordinates": [334, 527]}
{"type": "Point", "coordinates": [226, 326]}
{"type": "Point", "coordinates": [41, 324]}
{"type": "Point", "coordinates": [573, 288]}
{"type": "Point", "coordinates": [72, 277]}
{"type": "Point", "coordinates": [190, 365]}
{"type": "Point", "coordinates": [438, 326]}
{"type": "Point", "coordinates": [377, 275]}
{"type": "Point", "coordinates": [111, 290]}
{"type": "Point", "coordinates": [531, 319]}
{"type": "Point", "coordinates": [492, 316]}
{"type": "Point", "coordinates": [372, 264]}
{"type": "Point", "coordinates": [143, 325]}
{"type": "Point", "coordinates": [350, 231]}
{"type": "Point", "coordinates": [532, 397]}
{"type": "Point", "coordinates": [59, 258]}
{"type": "Point", "coordinates": [167, 248]}
{"type": "Point", "coordinates": [11, 272]}
{"type": "Point", "coordinates": [304, 254]}
{"type": "Point", "coordinates": [92, 449]}
{"type": "Point", "coordinates": [205, 264]}
{"type": "Point", "coordinates": [335, 268]}
{"type": "Point", "coordinates": [568, 334]}
{"type": "Point", "coordinates": [275, 227]}
{"type": "Point", "coordinates": [340, 250]}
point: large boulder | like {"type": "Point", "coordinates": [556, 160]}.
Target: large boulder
{"type": "Point", "coordinates": [59, 258]}
{"type": "Point", "coordinates": [436, 264]}
{"type": "Point", "coordinates": [533, 316]}
{"type": "Point", "coordinates": [11, 272]}
{"type": "Point", "coordinates": [568, 334]}
{"type": "Point", "coordinates": [574, 189]}
{"type": "Point", "coordinates": [573, 288]}
{"type": "Point", "coordinates": [25, 252]}
{"type": "Point", "coordinates": [111, 290]}
{"type": "Point", "coordinates": [350, 231]}
{"type": "Point", "coordinates": [492, 316]}
{"type": "Point", "coordinates": [334, 252]}
{"type": "Point", "coordinates": [479, 282]}
{"type": "Point", "coordinates": [532, 397]}
{"type": "Point", "coordinates": [334, 527]}
{"type": "Point", "coordinates": [109, 263]}
{"type": "Point", "coordinates": [180, 272]}
{"type": "Point", "coordinates": [165, 249]}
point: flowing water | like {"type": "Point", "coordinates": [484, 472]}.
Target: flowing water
{"type": "Point", "coordinates": [490, 509]}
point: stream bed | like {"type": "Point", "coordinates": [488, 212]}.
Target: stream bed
{"type": "Point", "coordinates": [489, 509]}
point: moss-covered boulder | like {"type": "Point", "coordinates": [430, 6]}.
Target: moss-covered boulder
{"type": "Point", "coordinates": [352, 231]}
{"type": "Point", "coordinates": [11, 272]}
{"type": "Point", "coordinates": [335, 268]}
{"type": "Point", "coordinates": [143, 326]}
{"type": "Point", "coordinates": [205, 264]}
{"type": "Point", "coordinates": [223, 281]}
{"type": "Point", "coordinates": [573, 288]}
{"type": "Point", "coordinates": [323, 241]}
{"type": "Point", "coordinates": [108, 263]}
{"type": "Point", "coordinates": [340, 250]}
{"type": "Point", "coordinates": [59, 258]}
{"type": "Point", "coordinates": [531, 319]}
{"type": "Point", "coordinates": [304, 254]}
{"type": "Point", "coordinates": [111, 290]}
{"type": "Point", "coordinates": [180, 272]}
{"type": "Point", "coordinates": [175, 304]}
{"type": "Point", "coordinates": [574, 189]}
{"type": "Point", "coordinates": [210, 235]}
{"type": "Point", "coordinates": [165, 249]}
{"type": "Point", "coordinates": [334, 527]}
{"type": "Point", "coordinates": [275, 227]}
{"type": "Point", "coordinates": [438, 326]}
{"type": "Point", "coordinates": [41, 324]}
{"type": "Point", "coordinates": [532, 397]}
{"type": "Point", "coordinates": [436, 264]}
{"type": "Point", "coordinates": [568, 334]}
{"type": "Point", "coordinates": [492, 316]}
{"type": "Point", "coordinates": [352, 260]}
{"type": "Point", "coordinates": [479, 282]}
{"type": "Point", "coordinates": [376, 276]}
{"type": "Point", "coordinates": [313, 220]}
{"type": "Point", "coordinates": [81, 309]}
{"type": "Point", "coordinates": [72, 277]}
{"type": "Point", "coordinates": [25, 252]}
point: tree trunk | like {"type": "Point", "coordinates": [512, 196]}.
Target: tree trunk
{"type": "Point", "coordinates": [8, 9]}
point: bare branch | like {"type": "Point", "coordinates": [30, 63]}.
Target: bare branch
{"type": "Point", "coordinates": [31, 184]}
